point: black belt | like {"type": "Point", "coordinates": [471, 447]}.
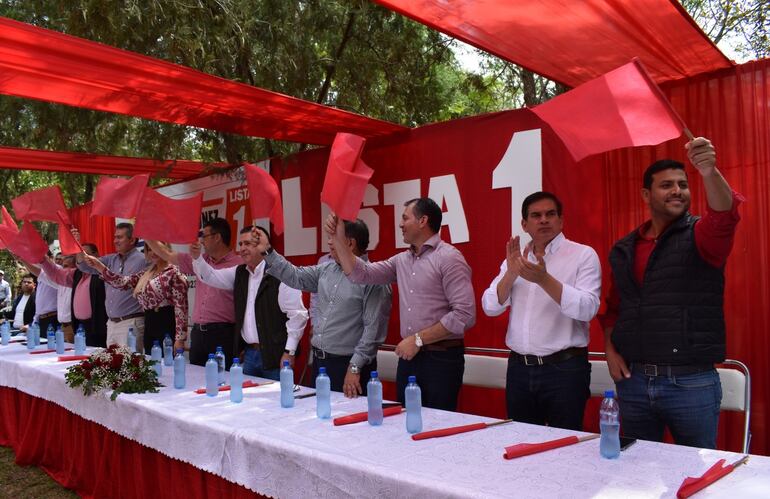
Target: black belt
{"type": "Point", "coordinates": [443, 345]}
{"type": "Point", "coordinates": [560, 356]}
{"type": "Point", "coordinates": [321, 355]}
{"type": "Point", "coordinates": [47, 315]}
{"type": "Point", "coordinates": [213, 325]}
{"type": "Point", "coordinates": [126, 317]}
{"type": "Point", "coordinates": [669, 370]}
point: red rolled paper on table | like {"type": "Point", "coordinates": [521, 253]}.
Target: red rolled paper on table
{"type": "Point", "coordinates": [520, 450]}
{"type": "Point", "coordinates": [37, 352]}
{"type": "Point", "coordinates": [70, 358]}
{"type": "Point", "coordinates": [360, 417]}
{"type": "Point", "coordinates": [226, 388]}
{"type": "Point", "coordinates": [444, 432]}
{"type": "Point", "coordinates": [691, 485]}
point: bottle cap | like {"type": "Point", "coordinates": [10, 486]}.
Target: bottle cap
{"type": "Point", "coordinates": [167, 336]}
{"type": "Point", "coordinates": [285, 363]}
{"type": "Point", "coordinates": [236, 361]}
{"type": "Point", "coordinates": [608, 394]}
{"type": "Point", "coordinates": [211, 356]}
{"type": "Point", "coordinates": [412, 379]}
{"type": "Point", "coordinates": [179, 351]}
{"type": "Point", "coordinates": [156, 343]}
{"type": "Point", "coordinates": [321, 370]}
{"type": "Point", "coordinates": [373, 375]}
{"type": "Point", "coordinates": [219, 348]}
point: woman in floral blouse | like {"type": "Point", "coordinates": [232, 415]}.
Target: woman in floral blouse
{"type": "Point", "coordinates": [161, 290]}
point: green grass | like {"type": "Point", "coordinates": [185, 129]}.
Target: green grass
{"type": "Point", "coordinates": [23, 482]}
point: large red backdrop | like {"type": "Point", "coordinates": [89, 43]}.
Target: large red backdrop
{"type": "Point", "coordinates": [601, 203]}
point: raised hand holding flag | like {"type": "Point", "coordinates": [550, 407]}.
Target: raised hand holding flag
{"type": "Point", "coordinates": [346, 176]}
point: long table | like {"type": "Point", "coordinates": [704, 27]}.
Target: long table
{"type": "Point", "coordinates": [290, 453]}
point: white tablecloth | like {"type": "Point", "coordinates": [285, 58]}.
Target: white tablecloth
{"type": "Point", "coordinates": [291, 453]}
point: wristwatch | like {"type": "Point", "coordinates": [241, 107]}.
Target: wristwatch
{"type": "Point", "coordinates": [418, 340]}
{"type": "Point", "coordinates": [354, 369]}
{"type": "Point", "coordinates": [290, 352]}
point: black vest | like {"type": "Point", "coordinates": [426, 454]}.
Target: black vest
{"type": "Point", "coordinates": [676, 315]}
{"type": "Point", "coordinates": [271, 321]}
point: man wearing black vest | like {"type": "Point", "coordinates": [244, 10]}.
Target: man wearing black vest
{"type": "Point", "coordinates": [270, 317]}
{"type": "Point", "coordinates": [665, 328]}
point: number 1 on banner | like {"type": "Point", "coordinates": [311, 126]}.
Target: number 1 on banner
{"type": "Point", "coordinates": [521, 170]}
{"type": "Point", "coordinates": [239, 217]}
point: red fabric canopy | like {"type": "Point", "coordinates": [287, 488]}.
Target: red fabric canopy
{"type": "Point", "coordinates": [75, 162]}
{"type": "Point", "coordinates": [36, 63]}
{"type": "Point", "coordinates": [573, 42]}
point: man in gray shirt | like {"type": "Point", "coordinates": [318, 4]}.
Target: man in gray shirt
{"type": "Point", "coordinates": [6, 295]}
{"type": "Point", "coordinates": [350, 320]}
{"type": "Point", "coordinates": [123, 310]}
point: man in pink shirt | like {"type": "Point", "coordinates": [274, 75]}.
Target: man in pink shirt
{"type": "Point", "coordinates": [213, 310]}
{"type": "Point", "coordinates": [436, 301]}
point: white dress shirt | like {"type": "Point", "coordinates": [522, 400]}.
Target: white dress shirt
{"type": "Point", "coordinates": [289, 300]}
{"type": "Point", "coordinates": [537, 325]}
{"type": "Point", "coordinates": [18, 319]}
{"type": "Point", "coordinates": [63, 298]}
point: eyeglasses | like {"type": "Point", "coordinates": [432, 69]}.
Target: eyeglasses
{"type": "Point", "coordinates": [204, 236]}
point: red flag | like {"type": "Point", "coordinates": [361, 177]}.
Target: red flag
{"type": "Point", "coordinates": [41, 204]}
{"type": "Point", "coordinates": [67, 242]}
{"type": "Point", "coordinates": [119, 197]}
{"type": "Point", "coordinates": [619, 109]}
{"type": "Point", "coordinates": [170, 220]}
{"type": "Point", "coordinates": [264, 196]}
{"type": "Point", "coordinates": [8, 229]}
{"type": "Point", "coordinates": [28, 245]}
{"type": "Point", "coordinates": [346, 176]}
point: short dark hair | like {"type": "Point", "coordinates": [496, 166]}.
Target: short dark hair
{"type": "Point", "coordinates": [426, 207]}
{"type": "Point", "coordinates": [659, 166]}
{"type": "Point", "coordinates": [539, 196]}
{"type": "Point", "coordinates": [29, 276]}
{"type": "Point", "coordinates": [93, 247]}
{"type": "Point", "coordinates": [359, 231]}
{"type": "Point", "coordinates": [129, 228]}
{"type": "Point", "coordinates": [220, 226]}
{"type": "Point", "coordinates": [258, 227]}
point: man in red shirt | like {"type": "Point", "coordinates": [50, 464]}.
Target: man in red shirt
{"type": "Point", "coordinates": [664, 329]}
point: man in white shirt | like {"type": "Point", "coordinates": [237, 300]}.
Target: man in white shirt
{"type": "Point", "coordinates": [270, 317]}
{"type": "Point", "coordinates": [553, 292]}
{"type": "Point", "coordinates": [23, 312]}
{"type": "Point", "coordinates": [6, 295]}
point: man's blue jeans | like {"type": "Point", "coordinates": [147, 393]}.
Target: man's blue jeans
{"type": "Point", "coordinates": [688, 405]}
{"type": "Point", "coordinates": [252, 365]}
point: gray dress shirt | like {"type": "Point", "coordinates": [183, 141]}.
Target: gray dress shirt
{"type": "Point", "coordinates": [350, 319]}
{"type": "Point", "coordinates": [119, 302]}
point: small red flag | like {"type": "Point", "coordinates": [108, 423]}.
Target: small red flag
{"type": "Point", "coordinates": [170, 220]}
{"type": "Point", "coordinates": [622, 108]}
{"type": "Point", "coordinates": [67, 242]}
{"type": "Point", "coordinates": [264, 196]}
{"type": "Point", "coordinates": [8, 229]}
{"type": "Point", "coordinates": [41, 204]}
{"type": "Point", "coordinates": [346, 176]}
{"type": "Point", "coordinates": [119, 197]}
{"type": "Point", "coordinates": [28, 245]}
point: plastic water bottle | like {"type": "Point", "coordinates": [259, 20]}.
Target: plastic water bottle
{"type": "Point", "coordinates": [179, 367]}
{"type": "Point", "coordinates": [374, 398]}
{"type": "Point", "coordinates": [6, 334]}
{"type": "Point", "coordinates": [220, 357]}
{"type": "Point", "coordinates": [287, 385]}
{"type": "Point", "coordinates": [609, 424]}
{"type": "Point", "coordinates": [168, 350]}
{"type": "Point", "coordinates": [323, 392]}
{"type": "Point", "coordinates": [131, 342]}
{"type": "Point", "coordinates": [51, 337]}
{"type": "Point", "coordinates": [59, 341]}
{"type": "Point", "coordinates": [80, 340]}
{"type": "Point", "coordinates": [413, 396]}
{"type": "Point", "coordinates": [156, 355]}
{"type": "Point", "coordinates": [236, 382]}
{"type": "Point", "coordinates": [36, 335]}
{"type": "Point", "coordinates": [211, 376]}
